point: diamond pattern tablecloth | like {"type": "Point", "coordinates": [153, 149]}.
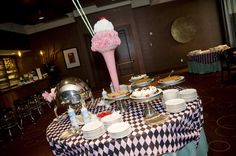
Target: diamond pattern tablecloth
{"type": "Point", "coordinates": [174, 134]}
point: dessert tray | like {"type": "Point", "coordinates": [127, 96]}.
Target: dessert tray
{"type": "Point", "coordinates": [170, 81]}
{"type": "Point", "coordinates": [119, 97]}
{"type": "Point", "coordinates": [138, 77]}
{"type": "Point", "coordinates": [159, 91]}
{"type": "Point", "coordinates": [143, 83]}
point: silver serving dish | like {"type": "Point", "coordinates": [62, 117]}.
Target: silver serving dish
{"type": "Point", "coordinates": [74, 92]}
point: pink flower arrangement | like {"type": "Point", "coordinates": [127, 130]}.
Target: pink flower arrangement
{"type": "Point", "coordinates": [105, 40]}
{"type": "Point", "coordinates": [50, 96]}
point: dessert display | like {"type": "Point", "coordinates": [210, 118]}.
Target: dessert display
{"type": "Point", "coordinates": [105, 41]}
{"type": "Point", "coordinates": [117, 94]}
{"type": "Point", "coordinates": [145, 92]}
{"type": "Point", "coordinates": [140, 80]}
{"type": "Point", "coordinates": [138, 77]}
{"type": "Point", "coordinates": [143, 80]}
{"type": "Point", "coordinates": [170, 78]}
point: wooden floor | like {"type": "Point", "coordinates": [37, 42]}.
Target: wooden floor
{"type": "Point", "coordinates": [219, 101]}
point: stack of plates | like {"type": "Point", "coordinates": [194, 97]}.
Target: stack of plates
{"type": "Point", "coordinates": [188, 94]}
{"type": "Point", "coordinates": [175, 105]}
{"type": "Point", "coordinates": [93, 130]}
{"type": "Point", "coordinates": [119, 130]}
{"type": "Point", "coordinates": [170, 94]}
{"type": "Point", "coordinates": [111, 119]}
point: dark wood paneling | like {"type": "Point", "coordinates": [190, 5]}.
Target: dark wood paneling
{"type": "Point", "coordinates": [165, 52]}
{"type": "Point", "coordinates": [11, 40]}
{"type": "Point", "coordinates": [63, 38]}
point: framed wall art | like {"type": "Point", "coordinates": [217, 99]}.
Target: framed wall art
{"type": "Point", "coordinates": [71, 58]}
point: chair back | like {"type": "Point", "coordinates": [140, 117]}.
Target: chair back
{"type": "Point", "coordinates": [227, 58]}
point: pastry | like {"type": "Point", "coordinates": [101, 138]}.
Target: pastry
{"type": "Point", "coordinates": [138, 77]}
{"type": "Point", "coordinates": [118, 93]}
{"type": "Point", "coordinates": [170, 78]}
{"type": "Point", "coordinates": [144, 92]}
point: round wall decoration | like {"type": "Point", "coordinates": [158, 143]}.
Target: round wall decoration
{"type": "Point", "coordinates": [183, 29]}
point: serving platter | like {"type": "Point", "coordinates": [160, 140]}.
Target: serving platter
{"type": "Point", "coordinates": [141, 77]}
{"type": "Point", "coordinates": [120, 97]}
{"type": "Point", "coordinates": [142, 84]}
{"type": "Point", "coordinates": [159, 91]}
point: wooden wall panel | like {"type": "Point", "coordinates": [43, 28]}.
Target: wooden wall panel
{"type": "Point", "coordinates": [165, 53]}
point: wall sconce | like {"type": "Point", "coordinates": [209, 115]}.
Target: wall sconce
{"type": "Point", "coordinates": [41, 52]}
{"type": "Point", "coordinates": [19, 53]}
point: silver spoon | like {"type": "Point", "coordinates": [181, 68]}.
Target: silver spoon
{"type": "Point", "coordinates": [172, 71]}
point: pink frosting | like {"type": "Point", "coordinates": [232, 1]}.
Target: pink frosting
{"type": "Point", "coordinates": [105, 40]}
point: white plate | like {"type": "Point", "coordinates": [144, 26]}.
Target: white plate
{"type": "Point", "coordinates": [118, 127]}
{"type": "Point", "coordinates": [174, 102]}
{"type": "Point", "coordinates": [121, 135]}
{"type": "Point", "coordinates": [159, 91]}
{"type": "Point", "coordinates": [172, 82]}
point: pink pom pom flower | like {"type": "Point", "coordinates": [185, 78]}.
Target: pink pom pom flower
{"type": "Point", "coordinates": [105, 40]}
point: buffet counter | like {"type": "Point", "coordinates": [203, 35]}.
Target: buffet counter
{"type": "Point", "coordinates": [8, 96]}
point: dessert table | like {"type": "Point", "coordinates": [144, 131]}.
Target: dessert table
{"type": "Point", "coordinates": [182, 134]}
{"type": "Point", "coordinates": [202, 62]}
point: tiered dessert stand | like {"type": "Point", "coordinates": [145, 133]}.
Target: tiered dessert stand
{"type": "Point", "coordinates": [149, 110]}
{"type": "Point", "coordinates": [170, 84]}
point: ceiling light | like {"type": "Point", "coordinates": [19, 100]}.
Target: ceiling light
{"type": "Point", "coordinates": [41, 18]}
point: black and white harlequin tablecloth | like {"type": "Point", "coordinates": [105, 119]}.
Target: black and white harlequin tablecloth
{"type": "Point", "coordinates": [181, 129]}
